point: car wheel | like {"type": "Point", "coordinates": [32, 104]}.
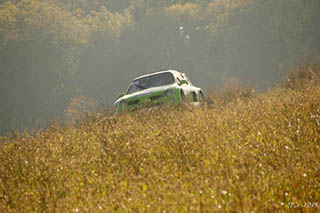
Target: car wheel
{"type": "Point", "coordinates": [183, 97]}
{"type": "Point", "coordinates": [194, 96]}
{"type": "Point", "coordinates": [201, 97]}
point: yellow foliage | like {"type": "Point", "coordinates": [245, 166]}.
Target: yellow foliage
{"type": "Point", "coordinates": [257, 153]}
{"type": "Point", "coordinates": [180, 11]}
{"type": "Point", "coordinates": [222, 11]}
{"type": "Point", "coordinates": [8, 16]}
{"type": "Point", "coordinates": [24, 20]}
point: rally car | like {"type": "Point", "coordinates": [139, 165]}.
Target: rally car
{"type": "Point", "coordinates": [168, 86]}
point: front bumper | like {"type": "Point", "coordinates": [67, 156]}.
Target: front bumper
{"type": "Point", "coordinates": [150, 100]}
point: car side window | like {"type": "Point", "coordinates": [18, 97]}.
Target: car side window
{"type": "Point", "coordinates": [185, 78]}
{"type": "Point", "coordinates": [179, 80]}
{"type": "Point", "coordinates": [188, 80]}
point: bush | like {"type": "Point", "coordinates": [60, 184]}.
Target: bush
{"type": "Point", "coordinates": [299, 77]}
{"type": "Point", "coordinates": [232, 90]}
{"type": "Point", "coordinates": [79, 108]}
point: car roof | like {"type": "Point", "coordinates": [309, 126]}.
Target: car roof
{"type": "Point", "coordinates": [174, 72]}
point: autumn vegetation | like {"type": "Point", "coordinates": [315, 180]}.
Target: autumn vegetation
{"type": "Point", "coordinates": [238, 151]}
{"type": "Point", "coordinates": [250, 147]}
{"type": "Point", "coordinates": [54, 51]}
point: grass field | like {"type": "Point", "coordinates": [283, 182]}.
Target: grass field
{"type": "Point", "coordinates": [238, 151]}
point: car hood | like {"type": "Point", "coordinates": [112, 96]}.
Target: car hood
{"type": "Point", "coordinates": [146, 92]}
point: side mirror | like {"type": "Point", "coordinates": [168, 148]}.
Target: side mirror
{"type": "Point", "coordinates": [121, 95]}
{"type": "Point", "coordinates": [182, 82]}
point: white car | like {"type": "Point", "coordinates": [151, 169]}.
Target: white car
{"type": "Point", "coordinates": [157, 88]}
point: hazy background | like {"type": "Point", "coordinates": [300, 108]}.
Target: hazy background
{"type": "Point", "coordinates": [55, 54]}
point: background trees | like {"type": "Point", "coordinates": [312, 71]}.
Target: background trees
{"type": "Point", "coordinates": [53, 50]}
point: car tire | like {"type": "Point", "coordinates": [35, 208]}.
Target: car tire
{"type": "Point", "coordinates": [194, 97]}
{"type": "Point", "coordinates": [183, 97]}
{"type": "Point", "coordinates": [201, 97]}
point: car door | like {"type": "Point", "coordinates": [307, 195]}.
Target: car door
{"type": "Point", "coordinates": [187, 88]}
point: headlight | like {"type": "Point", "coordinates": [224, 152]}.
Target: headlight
{"type": "Point", "coordinates": [168, 92]}
{"type": "Point", "coordinates": [122, 104]}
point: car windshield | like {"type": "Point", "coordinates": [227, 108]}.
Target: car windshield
{"type": "Point", "coordinates": [151, 81]}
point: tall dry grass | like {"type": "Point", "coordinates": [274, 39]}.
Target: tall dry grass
{"type": "Point", "coordinates": [252, 152]}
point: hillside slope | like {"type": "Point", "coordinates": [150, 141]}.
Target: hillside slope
{"type": "Point", "coordinates": [250, 153]}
